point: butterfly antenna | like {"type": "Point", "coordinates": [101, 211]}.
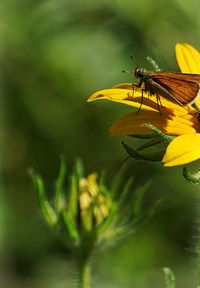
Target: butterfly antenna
{"type": "Point", "coordinates": [125, 71]}
{"type": "Point", "coordinates": [134, 60]}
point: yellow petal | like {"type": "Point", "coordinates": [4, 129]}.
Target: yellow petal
{"type": "Point", "coordinates": [123, 96]}
{"type": "Point", "coordinates": [133, 124]}
{"type": "Point", "coordinates": [182, 150]}
{"type": "Point", "coordinates": [188, 58]}
{"type": "Point", "coordinates": [177, 109]}
{"type": "Point", "coordinates": [134, 99]}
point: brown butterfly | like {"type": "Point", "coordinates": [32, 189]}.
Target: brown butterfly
{"type": "Point", "coordinates": [180, 88]}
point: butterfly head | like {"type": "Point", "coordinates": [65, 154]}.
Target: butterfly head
{"type": "Point", "coordinates": [139, 73]}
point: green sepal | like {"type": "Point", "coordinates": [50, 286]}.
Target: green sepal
{"type": "Point", "coordinates": [158, 132]}
{"type": "Point", "coordinates": [87, 224]}
{"type": "Point", "coordinates": [193, 178]}
{"type": "Point", "coordinates": [142, 136]}
{"type": "Point", "coordinates": [155, 141]}
{"type": "Point", "coordinates": [154, 156]}
{"type": "Point", "coordinates": [107, 223]}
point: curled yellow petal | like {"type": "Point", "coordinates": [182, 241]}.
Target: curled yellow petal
{"type": "Point", "coordinates": [123, 96]}
{"type": "Point", "coordinates": [133, 124]}
{"type": "Point", "coordinates": [182, 150]}
{"type": "Point", "coordinates": [134, 98]}
{"type": "Point", "coordinates": [188, 58]}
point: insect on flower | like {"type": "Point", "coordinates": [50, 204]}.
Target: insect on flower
{"type": "Point", "coordinates": [180, 88]}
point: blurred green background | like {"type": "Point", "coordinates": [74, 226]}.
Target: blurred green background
{"type": "Point", "coordinates": [53, 55]}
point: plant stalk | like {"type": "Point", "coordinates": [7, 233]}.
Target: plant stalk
{"type": "Point", "coordinates": [84, 270]}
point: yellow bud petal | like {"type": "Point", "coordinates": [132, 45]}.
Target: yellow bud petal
{"type": "Point", "coordinates": [182, 150]}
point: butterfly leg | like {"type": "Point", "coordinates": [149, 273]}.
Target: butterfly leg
{"type": "Point", "coordinates": [196, 108]}
{"type": "Point", "coordinates": [133, 88]}
{"type": "Point", "coordinates": [138, 85]}
{"type": "Point", "coordinates": [159, 103]}
{"type": "Point", "coordinates": [142, 99]}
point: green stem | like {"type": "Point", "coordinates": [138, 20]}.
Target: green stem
{"type": "Point", "coordinates": [84, 270]}
{"type": "Point", "coordinates": [198, 246]}
{"type": "Point", "coordinates": [198, 260]}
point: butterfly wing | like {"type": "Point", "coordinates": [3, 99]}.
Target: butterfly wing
{"type": "Point", "coordinates": [177, 87]}
{"type": "Point", "coordinates": [179, 75]}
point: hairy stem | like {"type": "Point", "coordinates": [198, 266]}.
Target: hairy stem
{"type": "Point", "coordinates": [83, 261]}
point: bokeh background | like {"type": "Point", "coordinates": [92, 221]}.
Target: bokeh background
{"type": "Point", "coordinates": [53, 55]}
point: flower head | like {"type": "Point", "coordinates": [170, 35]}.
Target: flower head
{"type": "Point", "coordinates": [182, 122]}
{"type": "Point", "coordinates": [86, 212]}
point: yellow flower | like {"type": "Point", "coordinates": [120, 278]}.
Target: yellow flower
{"type": "Point", "coordinates": [91, 199]}
{"type": "Point", "coordinates": [170, 118]}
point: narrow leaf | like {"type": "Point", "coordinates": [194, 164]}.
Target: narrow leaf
{"type": "Point", "coordinates": [78, 169]}
{"type": "Point", "coordinates": [73, 196]}
{"type": "Point", "coordinates": [71, 227]}
{"type": "Point", "coordinates": [46, 209]}
{"type": "Point", "coordinates": [116, 183]}
{"type": "Point", "coordinates": [59, 196]}
{"type": "Point", "coordinates": [138, 199]}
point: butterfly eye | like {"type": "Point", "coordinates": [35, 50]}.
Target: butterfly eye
{"type": "Point", "coordinates": [139, 72]}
